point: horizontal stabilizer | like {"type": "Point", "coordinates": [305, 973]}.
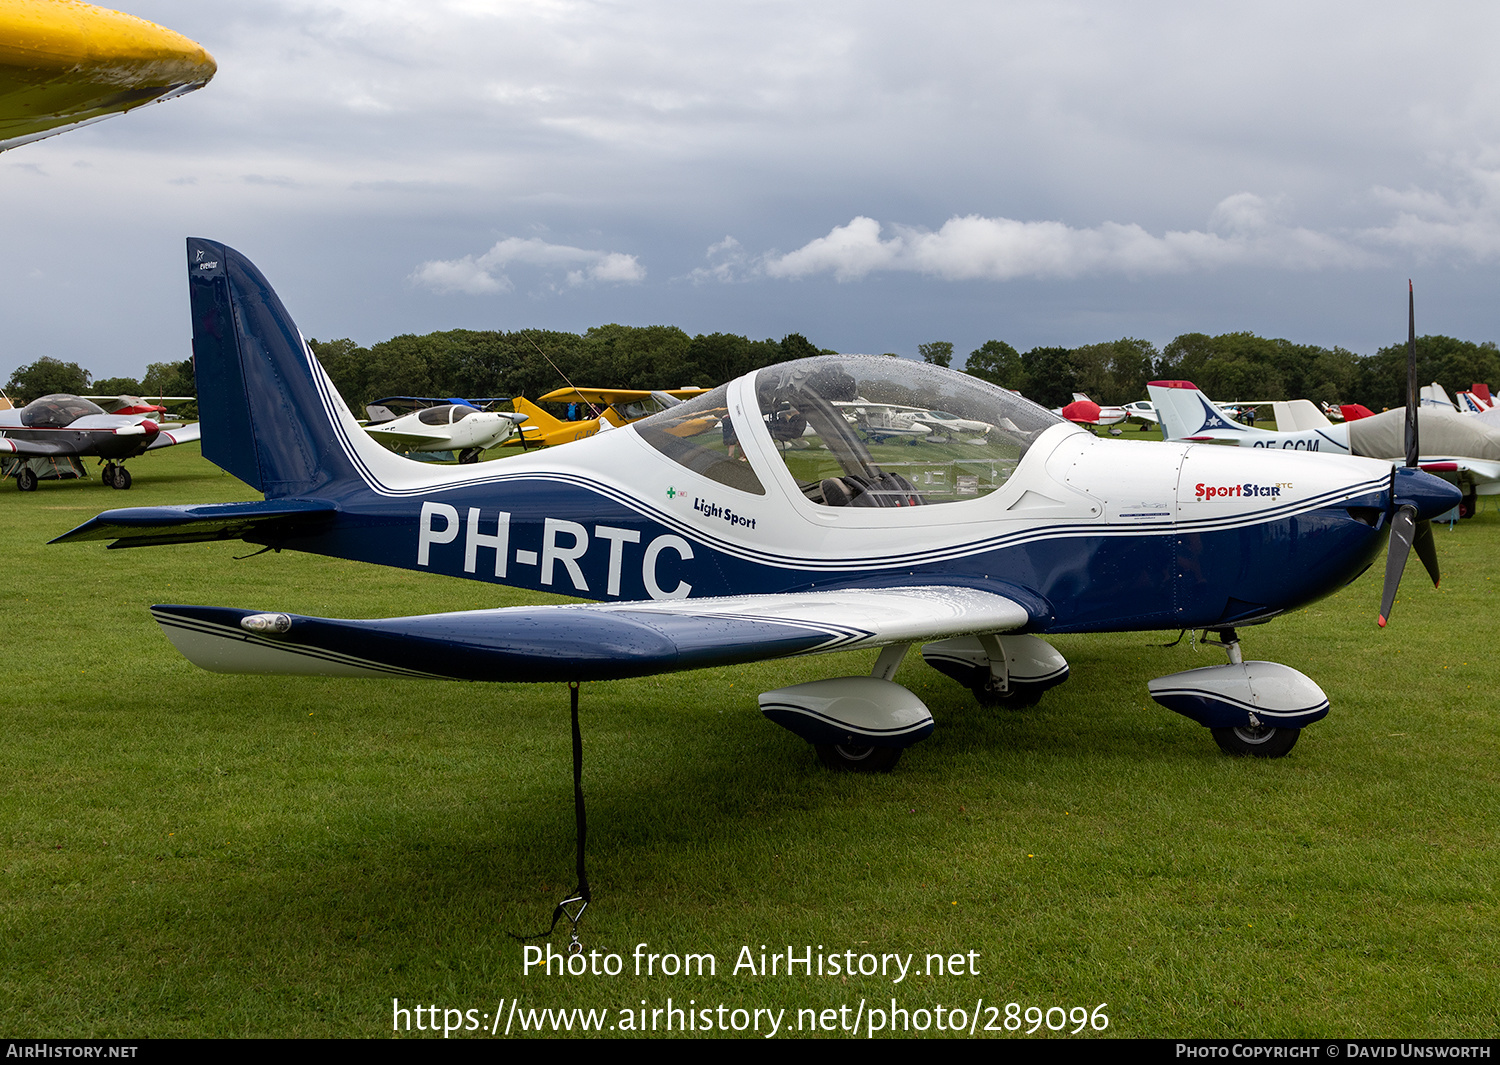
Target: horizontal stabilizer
{"type": "Point", "coordinates": [260, 522]}
{"type": "Point", "coordinates": [584, 642]}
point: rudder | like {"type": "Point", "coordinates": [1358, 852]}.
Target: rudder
{"type": "Point", "coordinates": [264, 418]}
{"type": "Point", "coordinates": [1185, 411]}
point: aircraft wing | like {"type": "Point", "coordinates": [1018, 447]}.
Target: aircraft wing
{"type": "Point", "coordinates": [148, 399]}
{"type": "Point", "coordinates": [410, 436]}
{"type": "Point", "coordinates": [258, 523]}
{"type": "Point", "coordinates": [64, 64]}
{"type": "Point", "coordinates": [599, 396]}
{"type": "Point", "coordinates": [434, 401]}
{"type": "Point", "coordinates": [186, 434]}
{"type": "Point", "coordinates": [584, 642]}
{"type": "Point", "coordinates": [37, 448]}
{"type": "Point", "coordinates": [1483, 471]}
{"type": "Point", "coordinates": [607, 396]}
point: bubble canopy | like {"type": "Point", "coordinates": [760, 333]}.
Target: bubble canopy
{"type": "Point", "coordinates": [862, 431]}
{"type": "Point", "coordinates": [56, 411]}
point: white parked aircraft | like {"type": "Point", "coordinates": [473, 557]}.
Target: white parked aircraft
{"type": "Point", "coordinates": [1143, 411]}
{"type": "Point", "coordinates": [879, 421]}
{"type": "Point", "coordinates": [456, 426]}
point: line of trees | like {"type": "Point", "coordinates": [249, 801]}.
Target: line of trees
{"type": "Point", "coordinates": [531, 362]}
{"type": "Point", "coordinates": [47, 376]}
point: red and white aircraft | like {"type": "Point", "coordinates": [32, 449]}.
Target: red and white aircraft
{"type": "Point", "coordinates": [67, 428]}
{"type": "Point", "coordinates": [1084, 411]}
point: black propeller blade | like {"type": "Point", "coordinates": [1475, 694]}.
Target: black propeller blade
{"type": "Point", "coordinates": [1406, 531]}
{"type": "Point", "coordinates": [1403, 531]}
{"type": "Point", "coordinates": [1412, 400]}
{"type": "Point", "coordinates": [1427, 550]}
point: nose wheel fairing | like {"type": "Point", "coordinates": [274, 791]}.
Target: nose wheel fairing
{"type": "Point", "coordinates": [1252, 708]}
{"type": "Point", "coordinates": [1246, 695]}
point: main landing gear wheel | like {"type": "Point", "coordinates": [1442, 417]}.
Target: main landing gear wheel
{"type": "Point", "coordinates": [1469, 506]}
{"type": "Point", "coordinates": [469, 455]}
{"type": "Point", "coordinates": [1261, 741]}
{"type": "Point", "coordinates": [1020, 697]}
{"type": "Point", "coordinates": [26, 479]}
{"type": "Point", "coordinates": [858, 759]}
{"type": "Point", "coordinates": [117, 477]}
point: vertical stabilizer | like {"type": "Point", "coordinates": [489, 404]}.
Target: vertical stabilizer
{"type": "Point", "coordinates": [265, 419]}
{"type": "Point", "coordinates": [538, 422]}
{"type": "Point", "coordinates": [1186, 412]}
{"type": "Point", "coordinates": [1435, 395]}
{"type": "Point", "coordinates": [1299, 415]}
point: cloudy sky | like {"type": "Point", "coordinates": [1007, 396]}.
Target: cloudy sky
{"type": "Point", "coordinates": [873, 175]}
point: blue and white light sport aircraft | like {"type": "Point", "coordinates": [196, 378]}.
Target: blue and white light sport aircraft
{"type": "Point", "coordinates": [756, 521]}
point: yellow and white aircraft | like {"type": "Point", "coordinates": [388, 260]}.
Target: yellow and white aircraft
{"type": "Point", "coordinates": [621, 406]}
{"type": "Point", "coordinates": [64, 63]}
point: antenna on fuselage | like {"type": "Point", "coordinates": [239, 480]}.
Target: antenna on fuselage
{"type": "Point", "coordinates": [593, 409]}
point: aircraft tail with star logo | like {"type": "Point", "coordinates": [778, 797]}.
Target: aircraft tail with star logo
{"type": "Point", "coordinates": [1187, 414]}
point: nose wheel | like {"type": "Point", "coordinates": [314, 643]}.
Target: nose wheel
{"type": "Point", "coordinates": [1259, 741]}
{"type": "Point", "coordinates": [858, 759]}
{"type": "Point", "coordinates": [1235, 701]}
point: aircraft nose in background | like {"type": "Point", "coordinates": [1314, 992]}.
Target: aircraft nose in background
{"type": "Point", "coordinates": [1430, 495]}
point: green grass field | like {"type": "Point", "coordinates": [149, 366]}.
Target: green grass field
{"type": "Point", "coordinates": [187, 854]}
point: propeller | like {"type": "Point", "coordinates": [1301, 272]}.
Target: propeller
{"type": "Point", "coordinates": [1407, 531]}
{"type": "Point", "coordinates": [516, 420]}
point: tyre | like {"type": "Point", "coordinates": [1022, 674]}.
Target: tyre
{"type": "Point", "coordinates": [1469, 506]}
{"type": "Point", "coordinates": [26, 479]}
{"type": "Point", "coordinates": [122, 478]}
{"type": "Point", "coordinates": [1019, 697]}
{"type": "Point", "coordinates": [1260, 741]}
{"type": "Point", "coordinates": [858, 759]}
{"type": "Point", "coordinates": [469, 455]}
{"type": "Point", "coordinates": [107, 475]}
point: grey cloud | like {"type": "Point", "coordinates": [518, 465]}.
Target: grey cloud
{"type": "Point", "coordinates": [481, 274]}
{"type": "Point", "coordinates": [1061, 151]}
{"type": "Point", "coordinates": [1243, 232]}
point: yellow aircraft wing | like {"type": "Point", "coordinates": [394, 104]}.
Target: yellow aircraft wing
{"type": "Point", "coordinates": [63, 63]}
{"type": "Point", "coordinates": [607, 396]}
